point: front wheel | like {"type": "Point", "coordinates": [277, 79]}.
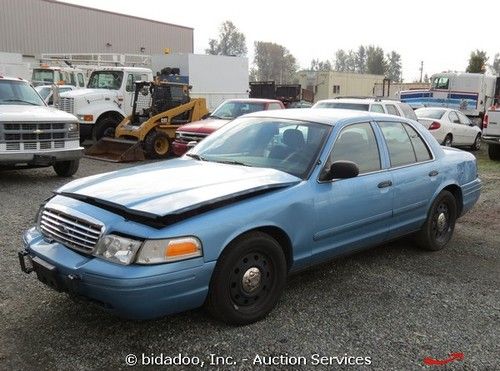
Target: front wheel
{"type": "Point", "coordinates": [440, 224]}
{"type": "Point", "coordinates": [105, 127]}
{"type": "Point", "coordinates": [248, 279]}
{"type": "Point", "coordinates": [66, 168]}
{"type": "Point", "coordinates": [157, 144]}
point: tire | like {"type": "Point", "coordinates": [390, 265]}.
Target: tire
{"type": "Point", "coordinates": [448, 140]}
{"type": "Point", "coordinates": [157, 144]}
{"type": "Point", "coordinates": [494, 151]}
{"type": "Point", "coordinates": [105, 127]}
{"type": "Point", "coordinates": [477, 143]}
{"type": "Point", "coordinates": [235, 301]}
{"type": "Point", "coordinates": [66, 168]}
{"type": "Point", "coordinates": [440, 224]}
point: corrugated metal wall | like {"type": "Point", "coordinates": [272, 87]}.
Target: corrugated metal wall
{"type": "Point", "coordinates": [32, 27]}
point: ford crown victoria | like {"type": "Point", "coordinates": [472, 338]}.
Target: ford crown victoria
{"type": "Point", "coordinates": [268, 194]}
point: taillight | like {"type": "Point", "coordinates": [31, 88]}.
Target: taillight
{"type": "Point", "coordinates": [435, 125]}
{"type": "Point", "coordinates": [485, 121]}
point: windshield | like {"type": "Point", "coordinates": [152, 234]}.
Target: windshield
{"type": "Point", "coordinates": [106, 80]}
{"type": "Point", "coordinates": [287, 145]}
{"type": "Point", "coordinates": [44, 92]}
{"type": "Point", "coordinates": [19, 93]}
{"type": "Point", "coordinates": [42, 76]}
{"type": "Point", "coordinates": [353, 106]}
{"type": "Point", "coordinates": [431, 113]}
{"type": "Point", "coordinates": [233, 109]}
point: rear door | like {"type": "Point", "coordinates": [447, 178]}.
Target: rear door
{"type": "Point", "coordinates": [458, 130]}
{"type": "Point", "coordinates": [414, 173]}
{"type": "Point", "coordinates": [470, 130]}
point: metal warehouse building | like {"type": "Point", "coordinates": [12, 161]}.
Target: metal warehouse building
{"type": "Point", "coordinates": [32, 27]}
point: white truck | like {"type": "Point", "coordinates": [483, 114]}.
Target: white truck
{"type": "Point", "coordinates": [106, 101]}
{"type": "Point", "coordinates": [471, 93]}
{"type": "Point", "coordinates": [34, 135]}
{"type": "Point", "coordinates": [48, 75]}
{"type": "Point", "coordinates": [491, 131]}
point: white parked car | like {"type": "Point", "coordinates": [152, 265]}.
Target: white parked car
{"type": "Point", "coordinates": [450, 127]}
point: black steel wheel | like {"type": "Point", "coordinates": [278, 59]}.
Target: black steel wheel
{"type": "Point", "coordinates": [248, 279]}
{"type": "Point", "coordinates": [440, 224]}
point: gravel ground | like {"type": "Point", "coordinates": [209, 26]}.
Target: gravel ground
{"type": "Point", "coordinates": [394, 303]}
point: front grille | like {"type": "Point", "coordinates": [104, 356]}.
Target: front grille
{"type": "Point", "coordinates": [69, 230]}
{"type": "Point", "coordinates": [35, 135]}
{"type": "Point", "coordinates": [189, 137]}
{"type": "Point", "coordinates": [66, 104]}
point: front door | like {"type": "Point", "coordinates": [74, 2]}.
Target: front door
{"type": "Point", "coordinates": [353, 213]}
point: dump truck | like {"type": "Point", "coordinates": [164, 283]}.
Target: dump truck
{"type": "Point", "coordinates": [149, 132]}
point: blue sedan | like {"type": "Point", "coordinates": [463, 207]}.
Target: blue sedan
{"type": "Point", "coordinates": [268, 194]}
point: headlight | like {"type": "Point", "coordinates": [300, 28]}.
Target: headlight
{"type": "Point", "coordinates": [117, 249]}
{"type": "Point", "coordinates": [73, 127]}
{"type": "Point", "coordinates": [170, 250]}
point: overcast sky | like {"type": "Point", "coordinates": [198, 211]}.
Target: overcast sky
{"type": "Point", "coordinates": [441, 33]}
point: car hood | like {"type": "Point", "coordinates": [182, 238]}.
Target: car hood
{"type": "Point", "coordinates": [175, 186]}
{"type": "Point", "coordinates": [90, 94]}
{"type": "Point", "coordinates": [204, 126]}
{"type": "Point", "coordinates": [22, 113]}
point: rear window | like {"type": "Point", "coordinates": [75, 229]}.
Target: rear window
{"type": "Point", "coordinates": [430, 113]}
{"type": "Point", "coordinates": [342, 105]}
{"type": "Point", "coordinates": [407, 111]}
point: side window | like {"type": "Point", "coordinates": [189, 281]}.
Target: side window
{"type": "Point", "coordinates": [421, 151]}
{"type": "Point", "coordinates": [273, 106]}
{"type": "Point", "coordinates": [392, 110]}
{"type": "Point", "coordinates": [408, 111]}
{"type": "Point", "coordinates": [130, 83]}
{"type": "Point", "coordinates": [377, 108]}
{"type": "Point", "coordinates": [72, 79]}
{"type": "Point", "coordinates": [399, 144]}
{"type": "Point", "coordinates": [463, 119]}
{"type": "Point", "coordinates": [357, 143]}
{"type": "Point", "coordinates": [453, 117]}
{"type": "Point", "coordinates": [81, 80]}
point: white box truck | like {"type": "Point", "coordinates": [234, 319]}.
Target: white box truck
{"type": "Point", "coordinates": [213, 77]}
{"type": "Point", "coordinates": [471, 93]}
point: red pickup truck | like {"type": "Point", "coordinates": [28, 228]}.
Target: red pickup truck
{"type": "Point", "coordinates": [227, 111]}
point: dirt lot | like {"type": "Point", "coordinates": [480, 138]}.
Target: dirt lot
{"type": "Point", "coordinates": [395, 304]}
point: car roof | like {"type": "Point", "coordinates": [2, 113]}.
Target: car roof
{"type": "Point", "coordinates": [13, 78]}
{"type": "Point", "coordinates": [329, 116]}
{"type": "Point", "coordinates": [359, 100]}
{"type": "Point", "coordinates": [254, 100]}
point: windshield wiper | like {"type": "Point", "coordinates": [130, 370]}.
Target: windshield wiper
{"type": "Point", "coordinates": [19, 100]}
{"type": "Point", "coordinates": [232, 162]}
{"type": "Point", "coordinates": [196, 157]}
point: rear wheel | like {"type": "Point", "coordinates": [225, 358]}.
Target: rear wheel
{"type": "Point", "coordinates": [248, 279]}
{"type": "Point", "coordinates": [477, 143]}
{"type": "Point", "coordinates": [440, 224]}
{"type": "Point", "coordinates": [448, 141]}
{"type": "Point", "coordinates": [494, 151]}
{"type": "Point", "coordinates": [157, 144]}
{"type": "Point", "coordinates": [66, 168]}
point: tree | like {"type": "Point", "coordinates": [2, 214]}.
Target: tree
{"type": "Point", "coordinates": [351, 61]}
{"type": "Point", "coordinates": [231, 41]}
{"type": "Point", "coordinates": [477, 62]}
{"type": "Point", "coordinates": [317, 65]}
{"type": "Point", "coordinates": [496, 63]}
{"type": "Point", "coordinates": [341, 61]}
{"type": "Point", "coordinates": [426, 78]}
{"type": "Point", "coordinates": [360, 60]}
{"type": "Point", "coordinates": [394, 67]}
{"type": "Point", "coordinates": [274, 62]}
{"type": "Point", "coordinates": [375, 61]}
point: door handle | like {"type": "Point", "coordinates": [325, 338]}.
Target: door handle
{"type": "Point", "coordinates": [385, 184]}
{"type": "Point", "coordinates": [433, 173]}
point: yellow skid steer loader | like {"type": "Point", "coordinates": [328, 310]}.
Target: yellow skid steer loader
{"type": "Point", "coordinates": [159, 108]}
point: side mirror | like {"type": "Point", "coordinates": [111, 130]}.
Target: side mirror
{"type": "Point", "coordinates": [341, 170]}
{"type": "Point", "coordinates": [205, 116]}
